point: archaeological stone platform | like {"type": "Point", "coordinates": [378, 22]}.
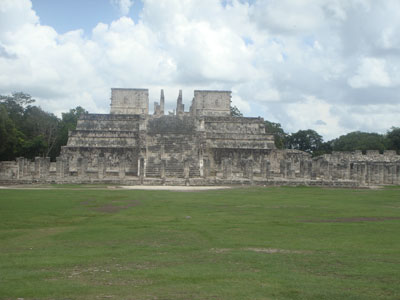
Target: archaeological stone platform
{"type": "Point", "coordinates": [202, 146]}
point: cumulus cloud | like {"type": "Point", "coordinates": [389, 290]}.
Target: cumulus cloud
{"type": "Point", "coordinates": [328, 65]}
{"type": "Point", "coordinates": [372, 71]}
{"type": "Point", "coordinates": [123, 6]}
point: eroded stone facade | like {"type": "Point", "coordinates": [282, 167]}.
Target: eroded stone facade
{"type": "Point", "coordinates": [202, 146]}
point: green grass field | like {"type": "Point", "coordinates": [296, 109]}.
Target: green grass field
{"type": "Point", "coordinates": [245, 243]}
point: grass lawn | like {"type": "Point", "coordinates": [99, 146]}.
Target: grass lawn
{"type": "Point", "coordinates": [245, 243]}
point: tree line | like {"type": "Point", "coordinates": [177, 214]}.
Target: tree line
{"type": "Point", "coordinates": [27, 130]}
{"type": "Point", "coordinates": [312, 142]}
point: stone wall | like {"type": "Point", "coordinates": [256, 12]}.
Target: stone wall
{"type": "Point", "coordinates": [129, 101]}
{"type": "Point", "coordinates": [211, 103]}
{"type": "Point", "coordinates": [177, 159]}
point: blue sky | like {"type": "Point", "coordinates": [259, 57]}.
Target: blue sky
{"type": "Point", "coordinates": [327, 65]}
{"type": "Point", "coordinates": [67, 15]}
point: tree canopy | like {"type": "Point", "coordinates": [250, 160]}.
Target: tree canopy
{"type": "Point", "coordinates": [235, 112]}
{"type": "Point", "coordinates": [305, 140]}
{"type": "Point", "coordinates": [358, 140]}
{"type": "Point", "coordinates": [280, 136]}
{"type": "Point", "coordinates": [27, 130]}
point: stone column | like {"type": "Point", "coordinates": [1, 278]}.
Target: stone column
{"type": "Point", "coordinates": [46, 167]}
{"type": "Point", "coordinates": [370, 172]}
{"type": "Point", "coordinates": [121, 167]}
{"type": "Point", "coordinates": [248, 169]}
{"type": "Point", "coordinates": [268, 169]}
{"type": "Point", "coordinates": [227, 168]}
{"type": "Point", "coordinates": [37, 167]}
{"type": "Point", "coordinates": [289, 170]}
{"type": "Point", "coordinates": [362, 173]}
{"type": "Point", "coordinates": [381, 173]}
{"type": "Point", "coordinates": [66, 167]}
{"type": "Point", "coordinates": [303, 169]}
{"type": "Point", "coordinates": [308, 169]}
{"type": "Point", "coordinates": [206, 168]}
{"type": "Point", "coordinates": [59, 167]}
{"type": "Point", "coordinates": [82, 167]}
{"type": "Point", "coordinates": [101, 167]}
{"type": "Point", "coordinates": [21, 166]}
{"type": "Point", "coordinates": [393, 173]}
{"type": "Point", "coordinates": [141, 169]}
{"type": "Point", "coordinates": [263, 168]}
{"type": "Point", "coordinates": [353, 172]}
{"type": "Point", "coordinates": [162, 170]}
{"type": "Point", "coordinates": [186, 171]}
{"type": "Point", "coordinates": [282, 167]}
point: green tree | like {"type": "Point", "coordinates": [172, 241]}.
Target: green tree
{"type": "Point", "coordinates": [305, 140]}
{"type": "Point", "coordinates": [40, 129]}
{"type": "Point", "coordinates": [393, 138]}
{"type": "Point", "coordinates": [8, 136]}
{"type": "Point", "coordinates": [15, 106]}
{"type": "Point", "coordinates": [358, 140]}
{"type": "Point", "coordinates": [68, 122]}
{"type": "Point", "coordinates": [324, 148]}
{"type": "Point", "coordinates": [280, 136]}
{"type": "Point", "coordinates": [235, 112]}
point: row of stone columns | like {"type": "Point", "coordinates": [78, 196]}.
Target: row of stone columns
{"type": "Point", "coordinates": [363, 172]}
{"type": "Point", "coordinates": [41, 168]}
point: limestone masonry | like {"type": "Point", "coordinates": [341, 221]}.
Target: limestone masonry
{"type": "Point", "coordinates": [202, 146]}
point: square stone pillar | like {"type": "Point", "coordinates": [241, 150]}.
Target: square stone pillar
{"type": "Point", "coordinates": [82, 164]}
{"type": "Point", "coordinates": [66, 167]}
{"type": "Point", "coordinates": [248, 170]}
{"type": "Point", "coordinates": [227, 168]}
{"type": "Point", "coordinates": [206, 167]}
{"type": "Point", "coordinates": [289, 170]}
{"type": "Point", "coordinates": [268, 173]}
{"type": "Point", "coordinates": [362, 173]}
{"type": "Point", "coordinates": [121, 167]}
{"type": "Point", "coordinates": [59, 167]}
{"type": "Point", "coordinates": [21, 166]}
{"type": "Point", "coordinates": [101, 167]}
{"type": "Point", "coordinates": [186, 168]}
{"type": "Point", "coordinates": [36, 173]}
{"type": "Point", "coordinates": [45, 172]}
{"type": "Point", "coordinates": [263, 168]}
{"type": "Point", "coordinates": [282, 167]}
{"type": "Point", "coordinates": [381, 173]}
{"type": "Point", "coordinates": [162, 170]}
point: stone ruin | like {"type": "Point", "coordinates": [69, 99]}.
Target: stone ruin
{"type": "Point", "coordinates": [202, 146]}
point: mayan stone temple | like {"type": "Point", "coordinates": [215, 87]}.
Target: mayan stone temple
{"type": "Point", "coordinates": [202, 146]}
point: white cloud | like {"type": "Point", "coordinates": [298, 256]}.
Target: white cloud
{"type": "Point", "coordinates": [269, 54]}
{"type": "Point", "coordinates": [123, 6]}
{"type": "Point", "coordinates": [371, 71]}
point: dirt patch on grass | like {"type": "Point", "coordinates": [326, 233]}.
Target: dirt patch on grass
{"type": "Point", "coordinates": [353, 219]}
{"type": "Point", "coordinates": [220, 250]}
{"type": "Point", "coordinates": [261, 250]}
{"type": "Point", "coordinates": [275, 250]}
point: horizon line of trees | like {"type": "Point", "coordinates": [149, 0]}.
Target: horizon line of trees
{"type": "Point", "coordinates": [27, 130]}
{"type": "Point", "coordinates": [312, 142]}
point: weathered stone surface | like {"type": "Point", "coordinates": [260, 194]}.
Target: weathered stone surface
{"type": "Point", "coordinates": [201, 147]}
